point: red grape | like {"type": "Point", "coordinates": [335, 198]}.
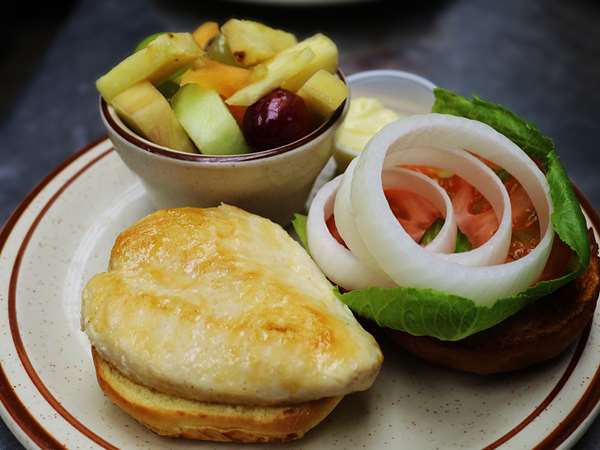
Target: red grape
{"type": "Point", "coordinates": [276, 119]}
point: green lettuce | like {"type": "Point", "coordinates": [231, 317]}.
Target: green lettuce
{"type": "Point", "coordinates": [432, 232]}
{"type": "Point", "coordinates": [462, 241]}
{"type": "Point", "coordinates": [450, 317]}
{"type": "Point", "coordinates": [299, 223]}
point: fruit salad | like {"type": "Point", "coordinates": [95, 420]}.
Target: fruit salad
{"type": "Point", "coordinates": [223, 90]}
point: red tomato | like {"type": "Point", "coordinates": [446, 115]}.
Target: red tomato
{"type": "Point", "coordinates": [523, 211]}
{"type": "Point", "coordinates": [414, 212]}
{"type": "Point", "coordinates": [474, 214]}
{"type": "Point", "coordinates": [334, 231]}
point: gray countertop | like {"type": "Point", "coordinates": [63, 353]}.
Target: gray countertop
{"type": "Point", "coordinates": [539, 58]}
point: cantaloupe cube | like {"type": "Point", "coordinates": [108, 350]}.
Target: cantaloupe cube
{"type": "Point", "coordinates": [238, 113]}
{"type": "Point", "coordinates": [252, 42]}
{"type": "Point", "coordinates": [154, 63]}
{"type": "Point", "coordinates": [205, 32]}
{"type": "Point", "coordinates": [323, 93]}
{"type": "Point", "coordinates": [223, 78]}
{"type": "Point", "coordinates": [144, 109]}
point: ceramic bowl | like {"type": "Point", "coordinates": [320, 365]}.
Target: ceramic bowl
{"type": "Point", "coordinates": [403, 92]}
{"type": "Point", "coordinates": [274, 183]}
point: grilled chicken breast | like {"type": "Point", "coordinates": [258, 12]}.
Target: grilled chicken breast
{"type": "Point", "coordinates": [220, 305]}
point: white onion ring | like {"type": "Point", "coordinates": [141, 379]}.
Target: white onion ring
{"type": "Point", "coordinates": [344, 221]}
{"type": "Point", "coordinates": [336, 261]}
{"type": "Point", "coordinates": [340, 264]}
{"type": "Point", "coordinates": [384, 246]}
{"type": "Point", "coordinates": [409, 180]}
{"type": "Point", "coordinates": [480, 176]}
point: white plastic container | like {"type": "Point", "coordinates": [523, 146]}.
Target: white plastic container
{"type": "Point", "coordinates": [404, 92]}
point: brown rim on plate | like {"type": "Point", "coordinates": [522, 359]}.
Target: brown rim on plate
{"type": "Point", "coordinates": [25, 420]}
{"type": "Point", "coordinates": [135, 139]}
{"type": "Point", "coordinates": [12, 404]}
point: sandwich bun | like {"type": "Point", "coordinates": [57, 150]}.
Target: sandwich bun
{"type": "Point", "coordinates": [172, 416]}
{"type": "Point", "coordinates": [539, 332]}
{"type": "Point", "coordinates": [214, 324]}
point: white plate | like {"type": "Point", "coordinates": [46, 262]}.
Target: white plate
{"type": "Point", "coordinates": [62, 234]}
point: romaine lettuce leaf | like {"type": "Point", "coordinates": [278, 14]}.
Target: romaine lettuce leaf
{"type": "Point", "coordinates": [449, 317]}
{"type": "Point", "coordinates": [462, 241]}
{"type": "Point", "coordinates": [299, 223]}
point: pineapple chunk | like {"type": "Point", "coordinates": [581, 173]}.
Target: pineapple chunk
{"type": "Point", "coordinates": [326, 58]}
{"type": "Point", "coordinates": [146, 111]}
{"type": "Point", "coordinates": [258, 72]}
{"type": "Point", "coordinates": [252, 42]}
{"type": "Point", "coordinates": [283, 67]}
{"type": "Point", "coordinates": [144, 42]}
{"type": "Point", "coordinates": [205, 32]}
{"type": "Point", "coordinates": [159, 59]}
{"type": "Point", "coordinates": [323, 93]}
{"type": "Point", "coordinates": [225, 79]}
{"type": "Point", "coordinates": [218, 50]}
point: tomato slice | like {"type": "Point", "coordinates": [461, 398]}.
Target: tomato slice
{"type": "Point", "coordinates": [334, 231]}
{"type": "Point", "coordinates": [474, 214]}
{"type": "Point", "coordinates": [475, 217]}
{"type": "Point", "coordinates": [414, 212]}
{"type": "Point", "coordinates": [523, 211]}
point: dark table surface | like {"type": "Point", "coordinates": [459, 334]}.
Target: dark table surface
{"type": "Point", "coordinates": [539, 58]}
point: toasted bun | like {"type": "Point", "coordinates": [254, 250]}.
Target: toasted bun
{"type": "Point", "coordinates": [539, 332]}
{"type": "Point", "coordinates": [177, 417]}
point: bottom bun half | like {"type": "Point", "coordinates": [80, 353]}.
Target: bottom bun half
{"type": "Point", "coordinates": [539, 332]}
{"type": "Point", "coordinates": [177, 417]}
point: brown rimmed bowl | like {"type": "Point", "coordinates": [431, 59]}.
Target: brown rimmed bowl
{"type": "Point", "coordinates": [273, 183]}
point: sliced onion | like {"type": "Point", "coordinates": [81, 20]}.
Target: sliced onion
{"type": "Point", "coordinates": [400, 257]}
{"type": "Point", "coordinates": [475, 172]}
{"type": "Point", "coordinates": [336, 261]}
{"type": "Point", "coordinates": [406, 179]}
{"type": "Point", "coordinates": [343, 212]}
{"type": "Point", "coordinates": [445, 241]}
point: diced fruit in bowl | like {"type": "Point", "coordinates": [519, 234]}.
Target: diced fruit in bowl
{"type": "Point", "coordinates": [326, 58]}
{"type": "Point", "coordinates": [276, 119]}
{"type": "Point", "coordinates": [283, 67]}
{"type": "Point", "coordinates": [252, 42]}
{"type": "Point", "coordinates": [154, 63]}
{"type": "Point", "coordinates": [238, 113]}
{"type": "Point", "coordinates": [230, 86]}
{"type": "Point", "coordinates": [169, 86]}
{"type": "Point", "coordinates": [145, 110]}
{"type": "Point", "coordinates": [218, 49]}
{"type": "Point", "coordinates": [144, 42]}
{"type": "Point", "coordinates": [225, 79]}
{"type": "Point", "coordinates": [208, 122]}
{"type": "Point", "coordinates": [324, 92]}
{"type": "Point", "coordinates": [205, 32]}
